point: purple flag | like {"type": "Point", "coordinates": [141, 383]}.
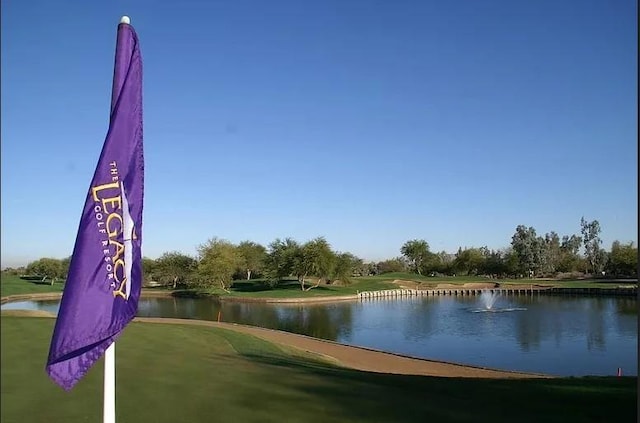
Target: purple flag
{"type": "Point", "coordinates": [103, 285]}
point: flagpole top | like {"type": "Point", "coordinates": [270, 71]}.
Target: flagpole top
{"type": "Point", "coordinates": [125, 20]}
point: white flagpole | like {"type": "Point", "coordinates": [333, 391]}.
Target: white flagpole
{"type": "Point", "coordinates": [109, 402]}
{"type": "Point", "coordinates": [109, 406]}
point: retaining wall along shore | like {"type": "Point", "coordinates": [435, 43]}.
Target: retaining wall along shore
{"type": "Point", "coordinates": [395, 293]}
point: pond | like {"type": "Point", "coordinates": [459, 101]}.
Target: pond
{"type": "Point", "coordinates": [559, 335]}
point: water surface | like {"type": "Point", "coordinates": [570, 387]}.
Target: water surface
{"type": "Point", "coordinates": [547, 334]}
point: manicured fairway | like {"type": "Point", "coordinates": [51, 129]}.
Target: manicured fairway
{"type": "Point", "coordinates": [175, 373]}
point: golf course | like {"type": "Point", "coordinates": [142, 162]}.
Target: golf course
{"type": "Point", "coordinates": [317, 212]}
{"type": "Point", "coordinates": [168, 373]}
{"type": "Point", "coordinates": [172, 370]}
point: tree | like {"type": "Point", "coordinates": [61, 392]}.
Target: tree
{"type": "Point", "coordinates": [602, 260]}
{"type": "Point", "coordinates": [511, 262]}
{"type": "Point", "coordinates": [469, 261]}
{"type": "Point", "coordinates": [219, 259]}
{"type": "Point", "coordinates": [316, 259]}
{"type": "Point", "coordinates": [591, 237]}
{"type": "Point", "coordinates": [417, 253]}
{"type": "Point", "coordinates": [569, 260]}
{"type": "Point", "coordinates": [47, 268]}
{"type": "Point", "coordinates": [443, 263]}
{"type": "Point", "coordinates": [528, 248]}
{"type": "Point", "coordinates": [148, 268]}
{"type": "Point", "coordinates": [174, 267]}
{"type": "Point", "coordinates": [64, 267]}
{"type": "Point", "coordinates": [363, 269]}
{"type": "Point", "coordinates": [11, 271]}
{"type": "Point", "coordinates": [550, 253]}
{"type": "Point", "coordinates": [346, 264]}
{"type": "Point", "coordinates": [253, 256]}
{"type": "Point", "coordinates": [431, 264]}
{"type": "Point", "coordinates": [494, 263]}
{"type": "Point", "coordinates": [280, 259]}
{"type": "Point", "coordinates": [397, 264]}
{"type": "Point", "coordinates": [623, 259]}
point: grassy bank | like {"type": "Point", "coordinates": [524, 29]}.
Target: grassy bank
{"type": "Point", "coordinates": [291, 289]}
{"type": "Point", "coordinates": [168, 373]}
{"type": "Point", "coordinates": [428, 281]}
{"type": "Point", "coordinates": [13, 285]}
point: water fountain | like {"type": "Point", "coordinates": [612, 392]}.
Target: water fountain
{"type": "Point", "coordinates": [488, 300]}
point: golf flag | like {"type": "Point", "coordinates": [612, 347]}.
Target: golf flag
{"type": "Point", "coordinates": [103, 285]}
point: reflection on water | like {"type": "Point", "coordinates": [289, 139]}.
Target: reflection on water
{"type": "Point", "coordinates": [50, 306]}
{"type": "Point", "coordinates": [547, 334]}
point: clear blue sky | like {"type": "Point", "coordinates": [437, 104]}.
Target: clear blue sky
{"type": "Point", "coordinates": [367, 122]}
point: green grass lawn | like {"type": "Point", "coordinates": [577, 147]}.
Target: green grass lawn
{"type": "Point", "coordinates": [175, 373]}
{"type": "Point", "coordinates": [13, 285]}
{"type": "Point", "coordinates": [291, 289]}
{"type": "Point", "coordinates": [428, 281]}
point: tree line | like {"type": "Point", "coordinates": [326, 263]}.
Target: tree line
{"type": "Point", "coordinates": [219, 262]}
{"type": "Point", "coordinates": [529, 255]}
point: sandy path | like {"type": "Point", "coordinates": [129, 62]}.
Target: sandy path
{"type": "Point", "coordinates": [355, 357]}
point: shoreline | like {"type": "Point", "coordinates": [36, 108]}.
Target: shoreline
{"type": "Point", "coordinates": [445, 291]}
{"type": "Point", "coordinates": [353, 357]}
{"type": "Point", "coordinates": [169, 294]}
{"type": "Point", "coordinates": [359, 358]}
{"type": "Point", "coordinates": [346, 355]}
